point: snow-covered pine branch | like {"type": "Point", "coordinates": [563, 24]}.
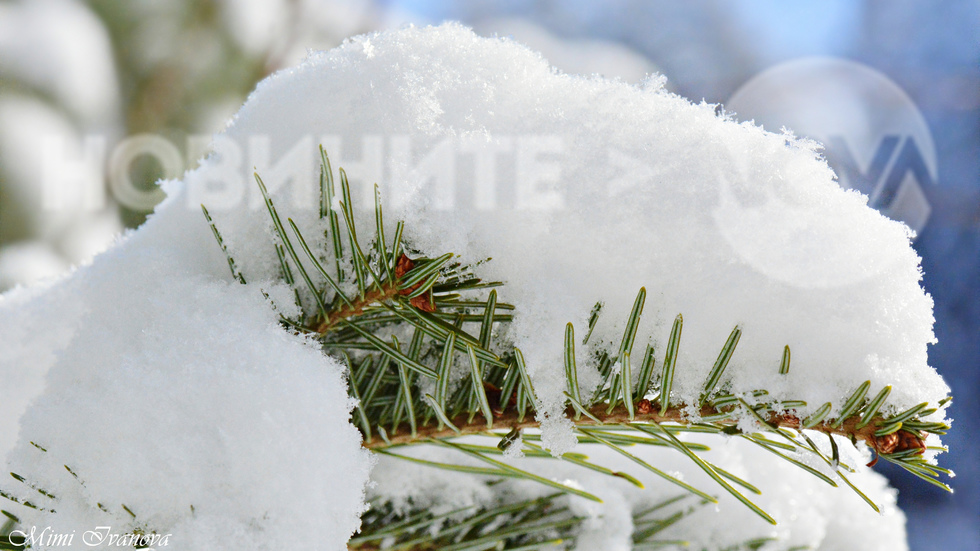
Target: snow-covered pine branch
{"type": "Point", "coordinates": [178, 400]}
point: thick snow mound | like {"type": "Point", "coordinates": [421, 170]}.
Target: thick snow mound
{"type": "Point", "coordinates": [584, 190]}
{"type": "Point", "coordinates": [178, 396]}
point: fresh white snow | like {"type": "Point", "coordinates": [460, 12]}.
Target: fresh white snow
{"type": "Point", "coordinates": [598, 188]}
{"type": "Point", "coordinates": [170, 386]}
{"type": "Point", "coordinates": [176, 393]}
{"type": "Point", "coordinates": [810, 513]}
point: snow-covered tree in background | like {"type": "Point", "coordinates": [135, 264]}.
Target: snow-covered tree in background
{"type": "Point", "coordinates": [79, 76]}
{"type": "Point", "coordinates": [496, 359]}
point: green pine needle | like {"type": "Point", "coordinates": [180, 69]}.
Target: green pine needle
{"type": "Point", "coordinates": [678, 445]}
{"type": "Point", "coordinates": [816, 417]}
{"type": "Point", "coordinates": [520, 473]}
{"type": "Point", "coordinates": [784, 364]}
{"type": "Point", "coordinates": [673, 480]}
{"type": "Point", "coordinates": [721, 363]}
{"type": "Point", "coordinates": [476, 374]}
{"type": "Point", "coordinates": [853, 404]}
{"type": "Point", "coordinates": [667, 378]}
{"type": "Point", "coordinates": [909, 413]}
{"type": "Point", "coordinates": [646, 373]}
{"type": "Point", "coordinates": [571, 370]}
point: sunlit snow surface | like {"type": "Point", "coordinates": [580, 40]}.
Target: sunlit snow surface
{"type": "Point", "coordinates": [169, 386]}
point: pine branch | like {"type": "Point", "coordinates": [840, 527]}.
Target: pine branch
{"type": "Point", "coordinates": [540, 523]}
{"type": "Point", "coordinates": [475, 386]}
{"type": "Point", "coordinates": [647, 413]}
{"type": "Point", "coordinates": [433, 299]}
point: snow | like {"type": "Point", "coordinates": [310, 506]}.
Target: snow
{"type": "Point", "coordinates": [600, 188]}
{"type": "Point", "coordinates": [177, 394]}
{"type": "Point", "coordinates": [168, 386]}
{"type": "Point", "coordinates": [809, 512]}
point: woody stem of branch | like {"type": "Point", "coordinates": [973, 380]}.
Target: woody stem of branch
{"type": "Point", "coordinates": [509, 420]}
{"type": "Point", "coordinates": [377, 295]}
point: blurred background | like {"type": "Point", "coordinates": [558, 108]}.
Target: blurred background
{"type": "Point", "coordinates": [100, 98]}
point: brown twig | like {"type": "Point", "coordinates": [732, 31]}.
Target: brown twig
{"type": "Point", "coordinates": [378, 295]}
{"type": "Point", "coordinates": [646, 413]}
{"type": "Point", "coordinates": [381, 293]}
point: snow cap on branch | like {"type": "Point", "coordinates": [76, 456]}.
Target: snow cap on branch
{"type": "Point", "coordinates": [584, 190]}
{"type": "Point", "coordinates": [170, 388]}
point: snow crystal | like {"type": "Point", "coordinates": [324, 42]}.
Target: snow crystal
{"type": "Point", "coordinates": [516, 448]}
